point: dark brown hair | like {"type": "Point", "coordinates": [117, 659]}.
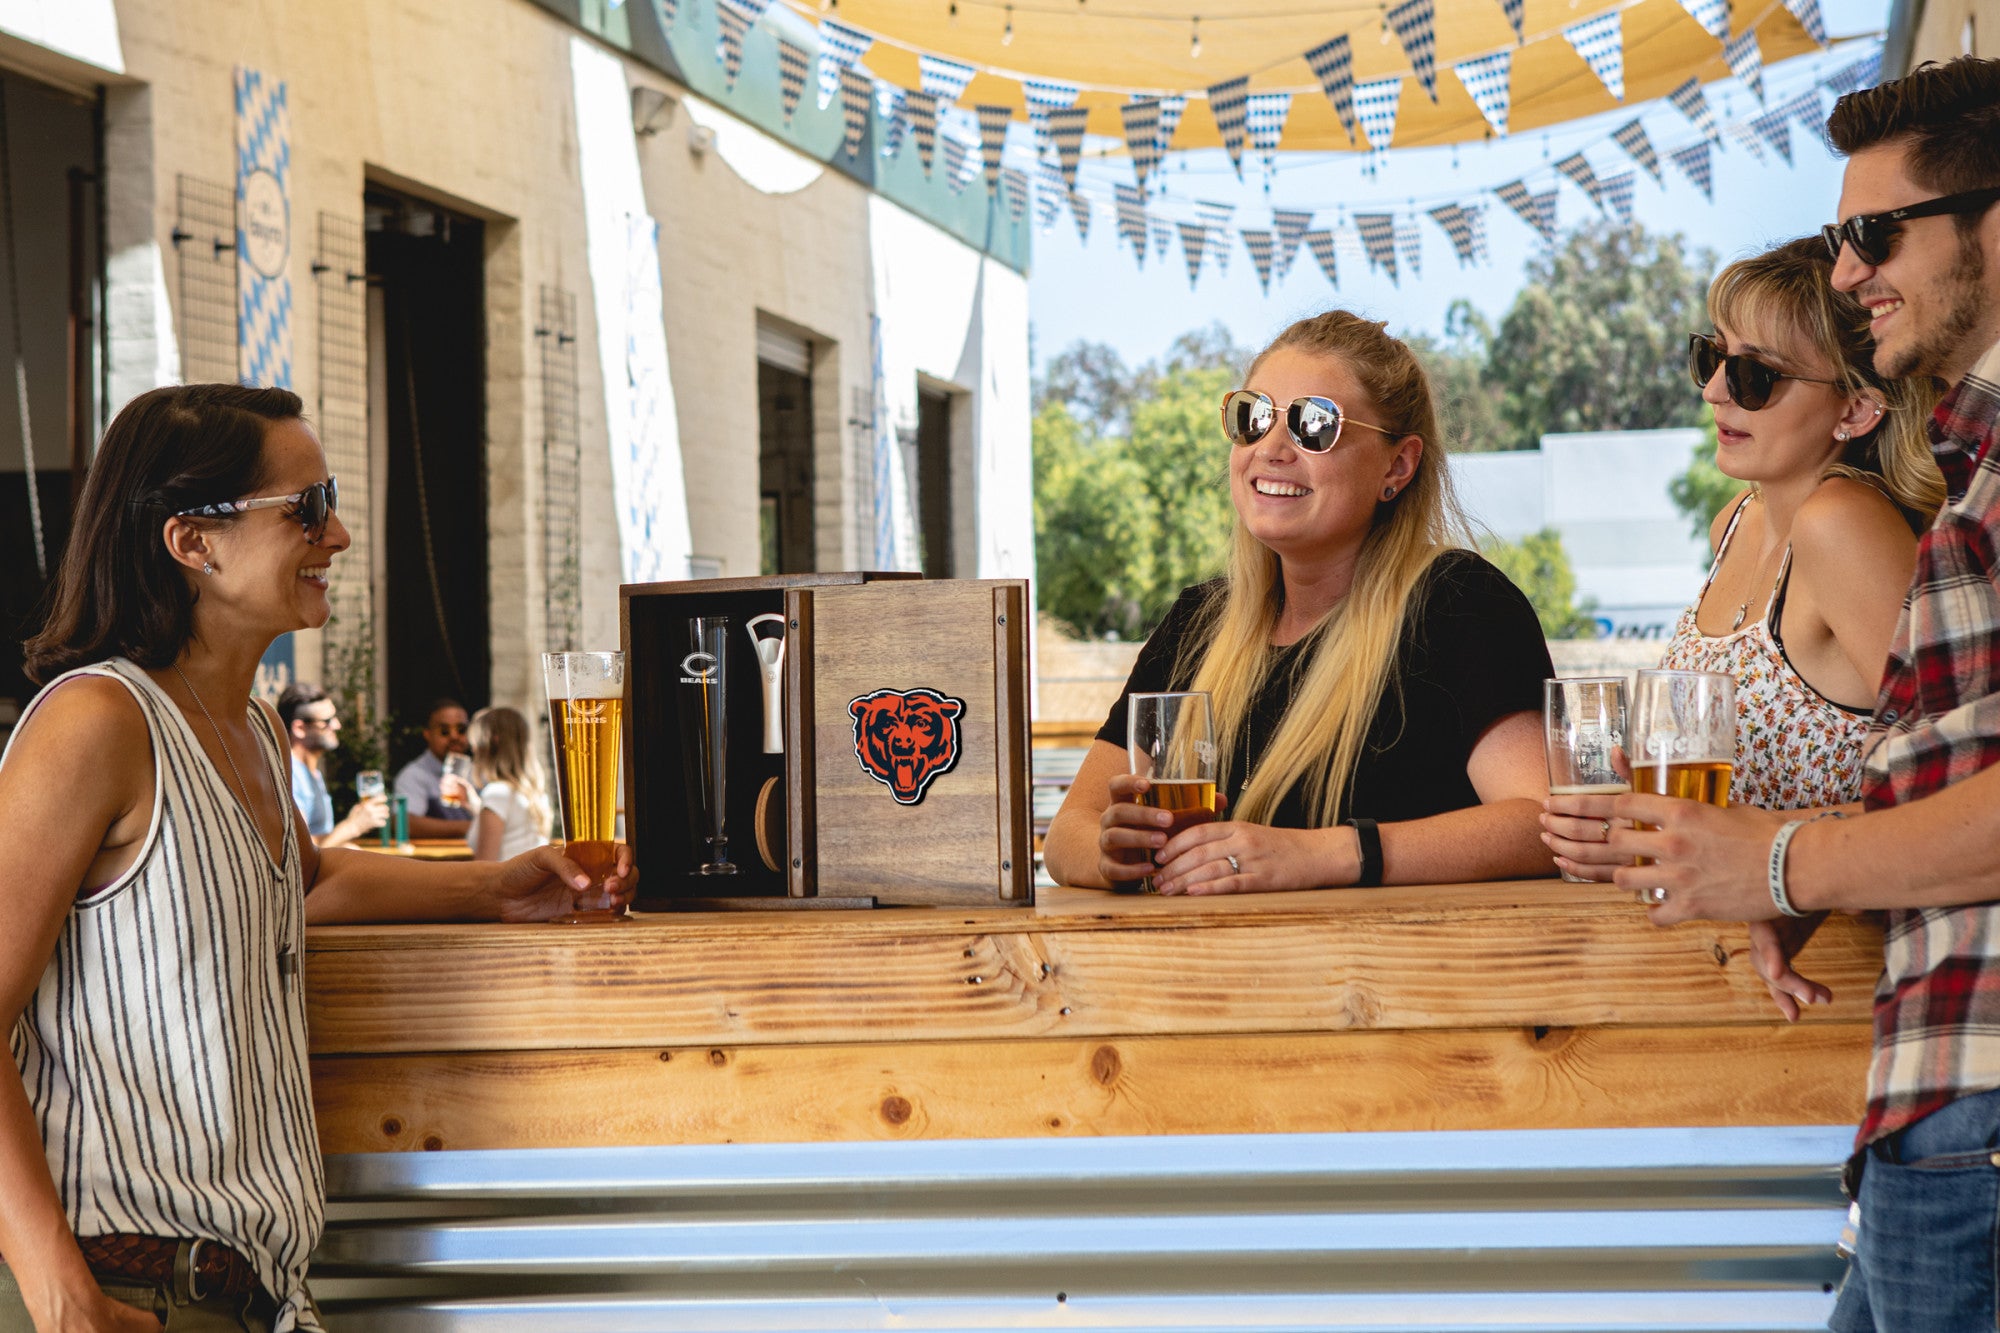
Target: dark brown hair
{"type": "Point", "coordinates": [1949, 115]}
{"type": "Point", "coordinates": [297, 695]}
{"type": "Point", "coordinates": [119, 591]}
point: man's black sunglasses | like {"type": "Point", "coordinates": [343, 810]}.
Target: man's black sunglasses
{"type": "Point", "coordinates": [1871, 233]}
{"type": "Point", "coordinates": [1750, 382]}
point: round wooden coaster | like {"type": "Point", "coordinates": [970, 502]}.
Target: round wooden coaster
{"type": "Point", "coordinates": [770, 823]}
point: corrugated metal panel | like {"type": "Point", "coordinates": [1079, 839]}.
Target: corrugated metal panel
{"type": "Point", "coordinates": [1551, 1230]}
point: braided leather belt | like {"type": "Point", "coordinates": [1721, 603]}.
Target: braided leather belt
{"type": "Point", "coordinates": [217, 1270]}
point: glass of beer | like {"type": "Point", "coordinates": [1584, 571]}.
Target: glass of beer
{"type": "Point", "coordinates": [455, 766]}
{"type": "Point", "coordinates": [1583, 720]}
{"type": "Point", "coordinates": [1682, 741]}
{"type": "Point", "coordinates": [1171, 742]}
{"type": "Point", "coordinates": [586, 694]}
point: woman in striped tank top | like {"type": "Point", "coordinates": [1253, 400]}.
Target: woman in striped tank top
{"type": "Point", "coordinates": [157, 1144]}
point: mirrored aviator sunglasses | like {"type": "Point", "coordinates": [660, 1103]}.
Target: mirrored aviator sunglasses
{"type": "Point", "coordinates": [1315, 423]}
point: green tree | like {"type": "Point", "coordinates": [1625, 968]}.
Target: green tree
{"type": "Point", "coordinates": [1178, 447]}
{"type": "Point", "coordinates": [1704, 489]}
{"type": "Point", "coordinates": [1469, 404]}
{"type": "Point", "coordinates": [1596, 339]}
{"type": "Point", "coordinates": [1539, 566]}
{"type": "Point", "coordinates": [1095, 528]}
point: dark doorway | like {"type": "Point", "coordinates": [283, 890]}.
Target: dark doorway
{"type": "Point", "coordinates": [51, 290]}
{"type": "Point", "coordinates": [429, 263]}
{"type": "Point", "coordinates": [785, 453]}
{"type": "Point", "coordinates": [934, 480]}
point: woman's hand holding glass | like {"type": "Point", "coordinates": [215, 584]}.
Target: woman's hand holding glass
{"type": "Point", "coordinates": [1129, 833]}
{"type": "Point", "coordinates": [1234, 857]}
{"type": "Point", "coordinates": [1578, 828]}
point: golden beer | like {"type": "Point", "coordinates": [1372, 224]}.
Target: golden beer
{"type": "Point", "coordinates": [586, 719]}
{"type": "Point", "coordinates": [1192, 802]}
{"type": "Point", "coordinates": [1706, 781]}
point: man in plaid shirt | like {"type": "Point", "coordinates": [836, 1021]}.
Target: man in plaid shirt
{"type": "Point", "coordinates": [1919, 245]}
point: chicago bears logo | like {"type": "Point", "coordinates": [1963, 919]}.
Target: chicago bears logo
{"type": "Point", "coordinates": [905, 738]}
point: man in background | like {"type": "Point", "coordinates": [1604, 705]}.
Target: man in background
{"type": "Point", "coordinates": [420, 782]}
{"type": "Point", "coordinates": [313, 725]}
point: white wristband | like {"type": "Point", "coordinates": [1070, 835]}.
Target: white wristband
{"type": "Point", "coordinates": [1782, 844]}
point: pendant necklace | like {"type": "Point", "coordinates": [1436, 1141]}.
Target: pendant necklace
{"type": "Point", "coordinates": [243, 788]}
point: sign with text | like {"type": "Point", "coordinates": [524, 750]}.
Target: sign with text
{"type": "Point", "coordinates": [263, 230]}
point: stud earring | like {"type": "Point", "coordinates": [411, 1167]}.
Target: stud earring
{"type": "Point", "coordinates": [1840, 435]}
{"type": "Point", "coordinates": [207, 568]}
{"type": "Point", "coordinates": [1388, 492]}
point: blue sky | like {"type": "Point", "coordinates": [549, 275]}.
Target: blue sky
{"type": "Point", "coordinates": [1098, 293]}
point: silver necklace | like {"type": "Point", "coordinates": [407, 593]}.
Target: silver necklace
{"type": "Point", "coordinates": [241, 786]}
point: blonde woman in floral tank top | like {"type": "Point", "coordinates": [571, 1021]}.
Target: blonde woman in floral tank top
{"type": "Point", "coordinates": [1813, 559]}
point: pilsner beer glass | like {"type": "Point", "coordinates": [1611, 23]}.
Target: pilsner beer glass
{"type": "Point", "coordinates": [586, 694]}
{"type": "Point", "coordinates": [1583, 720]}
{"type": "Point", "coordinates": [456, 766]}
{"type": "Point", "coordinates": [705, 738]}
{"type": "Point", "coordinates": [1171, 742]}
{"type": "Point", "coordinates": [1683, 736]}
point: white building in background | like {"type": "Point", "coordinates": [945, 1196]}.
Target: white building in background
{"type": "Point", "coordinates": [1605, 492]}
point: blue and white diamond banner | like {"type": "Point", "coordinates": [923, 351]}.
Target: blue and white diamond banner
{"type": "Point", "coordinates": [1601, 43]}
{"type": "Point", "coordinates": [1516, 196]}
{"type": "Point", "coordinates": [1228, 102]}
{"type": "Point", "coordinates": [1323, 251]}
{"type": "Point", "coordinates": [1712, 15]}
{"type": "Point", "coordinates": [1618, 194]}
{"type": "Point", "coordinates": [1171, 107]}
{"type": "Point", "coordinates": [1631, 136]}
{"type": "Point", "coordinates": [1515, 11]}
{"type": "Point", "coordinates": [1690, 101]}
{"type": "Point", "coordinates": [1693, 161]}
{"type": "Point", "coordinates": [263, 230]}
{"type": "Point", "coordinates": [1215, 220]}
{"type": "Point", "coordinates": [993, 122]}
{"type": "Point", "coordinates": [1132, 219]}
{"type": "Point", "coordinates": [1777, 132]}
{"type": "Point", "coordinates": [1141, 116]}
{"type": "Point", "coordinates": [793, 63]}
{"type": "Point", "coordinates": [1577, 167]}
{"type": "Point", "coordinates": [1258, 243]}
{"type": "Point", "coordinates": [1332, 64]}
{"type": "Point", "coordinates": [1375, 105]}
{"type": "Point", "coordinates": [1193, 238]}
{"type": "Point", "coordinates": [941, 78]}
{"type": "Point", "coordinates": [1066, 128]}
{"type": "Point", "coordinates": [1853, 78]}
{"type": "Point", "coordinates": [839, 47]}
{"type": "Point", "coordinates": [1413, 23]}
{"type": "Point", "coordinates": [922, 109]}
{"type": "Point", "coordinates": [1265, 115]}
{"type": "Point", "coordinates": [1410, 245]}
{"type": "Point", "coordinates": [1290, 225]}
{"type": "Point", "coordinates": [1807, 12]}
{"type": "Point", "coordinates": [1378, 237]}
{"type": "Point", "coordinates": [1488, 80]}
{"type": "Point", "coordinates": [1746, 60]}
{"type": "Point", "coordinates": [857, 90]}
{"type": "Point", "coordinates": [1042, 97]}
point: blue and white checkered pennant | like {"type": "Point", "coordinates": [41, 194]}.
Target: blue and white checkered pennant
{"type": "Point", "coordinates": [1693, 161]}
{"type": "Point", "coordinates": [1489, 82]}
{"type": "Point", "coordinates": [668, 12]}
{"type": "Point", "coordinates": [1066, 128]}
{"type": "Point", "coordinates": [1631, 136]}
{"type": "Point", "coordinates": [892, 108]}
{"type": "Point", "coordinates": [1228, 102]}
{"type": "Point", "coordinates": [1079, 208]}
{"type": "Point", "coordinates": [943, 79]}
{"type": "Point", "coordinates": [263, 230]}
{"type": "Point", "coordinates": [1747, 139]}
{"type": "Point", "coordinates": [1617, 191]}
{"type": "Point", "coordinates": [1807, 12]}
{"type": "Point", "coordinates": [1215, 220]}
{"type": "Point", "coordinates": [1451, 219]}
{"type": "Point", "coordinates": [1265, 116]}
{"type": "Point", "coordinates": [1853, 78]}
{"type": "Point", "coordinates": [1712, 15]}
{"type": "Point", "coordinates": [1577, 168]}
{"type": "Point", "coordinates": [1132, 219]}
{"type": "Point", "coordinates": [1601, 43]}
{"type": "Point", "coordinates": [734, 19]}
{"type": "Point", "coordinates": [1475, 219]}
{"type": "Point", "coordinates": [857, 90]}
{"type": "Point", "coordinates": [1375, 105]}
{"type": "Point", "coordinates": [1517, 197]}
{"type": "Point", "coordinates": [1258, 243]}
{"type": "Point", "coordinates": [1194, 238]}
{"type": "Point", "coordinates": [922, 108]}
{"type": "Point", "coordinates": [1746, 61]}
{"type": "Point", "coordinates": [1171, 108]}
{"type": "Point", "coordinates": [1378, 237]}
{"type": "Point", "coordinates": [1141, 116]}
{"type": "Point", "coordinates": [1690, 101]}
{"type": "Point", "coordinates": [1014, 189]}
{"type": "Point", "coordinates": [1163, 236]}
{"type": "Point", "coordinates": [1323, 252]}
{"type": "Point", "coordinates": [1776, 131]}
{"type": "Point", "coordinates": [959, 166]}
{"type": "Point", "coordinates": [1042, 97]}
{"type": "Point", "coordinates": [993, 122]}
{"type": "Point", "coordinates": [1290, 225]}
{"type": "Point", "coordinates": [1049, 193]}
{"type": "Point", "coordinates": [839, 47]}
{"type": "Point", "coordinates": [1513, 9]}
{"type": "Point", "coordinates": [1333, 65]}
{"type": "Point", "coordinates": [1806, 111]}
{"type": "Point", "coordinates": [1410, 245]}
{"type": "Point", "coordinates": [1413, 23]}
{"type": "Point", "coordinates": [793, 62]}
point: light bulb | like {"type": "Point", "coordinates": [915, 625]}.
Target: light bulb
{"type": "Point", "coordinates": [952, 13]}
{"type": "Point", "coordinates": [1007, 33]}
{"type": "Point", "coordinates": [1194, 40]}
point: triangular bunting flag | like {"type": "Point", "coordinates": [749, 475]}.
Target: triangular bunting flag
{"type": "Point", "coordinates": [1332, 64]}
{"type": "Point", "coordinates": [1290, 225]}
{"type": "Point", "coordinates": [1258, 243]}
{"type": "Point", "coordinates": [1694, 164]}
{"type": "Point", "coordinates": [857, 90]}
{"type": "Point", "coordinates": [1740, 131]}
{"type": "Point", "coordinates": [1488, 81]}
{"type": "Point", "coordinates": [1378, 235]}
{"type": "Point", "coordinates": [1132, 220]}
{"type": "Point", "coordinates": [993, 121]}
{"type": "Point", "coordinates": [1456, 223]}
{"type": "Point", "coordinates": [1079, 208]}
{"type": "Point", "coordinates": [734, 18]}
{"type": "Point", "coordinates": [1601, 43]}
{"type": "Point", "coordinates": [793, 62]}
{"type": "Point", "coordinates": [1375, 107]}
{"type": "Point", "coordinates": [1321, 245]}
{"type": "Point", "coordinates": [1690, 101]}
{"type": "Point", "coordinates": [892, 108]}
{"type": "Point", "coordinates": [1228, 102]}
{"type": "Point", "coordinates": [1545, 208]}
{"type": "Point", "coordinates": [1347, 240]}
{"type": "Point", "coordinates": [923, 110]}
{"type": "Point", "coordinates": [669, 11]}
{"type": "Point", "coordinates": [1193, 234]}
{"type": "Point", "coordinates": [1631, 136]}
{"type": "Point", "coordinates": [1170, 120]}
{"type": "Point", "coordinates": [1746, 61]}
{"type": "Point", "coordinates": [1475, 221]}
{"type": "Point", "coordinates": [1042, 97]}
{"type": "Point", "coordinates": [1163, 236]}
{"type": "Point", "coordinates": [1808, 14]}
{"type": "Point", "coordinates": [1265, 117]}
{"type": "Point", "coordinates": [839, 47]}
{"type": "Point", "coordinates": [1853, 78]}
{"type": "Point", "coordinates": [1806, 110]}
{"type": "Point", "coordinates": [1014, 188]}
{"type": "Point", "coordinates": [1777, 132]}
{"type": "Point", "coordinates": [1618, 194]}
{"type": "Point", "coordinates": [1514, 9]}
{"type": "Point", "coordinates": [1049, 194]}
{"type": "Point", "coordinates": [1215, 222]}
{"type": "Point", "coordinates": [1412, 21]}
{"type": "Point", "coordinates": [956, 159]}
{"type": "Point", "coordinates": [1142, 136]}
{"type": "Point", "coordinates": [1516, 196]}
{"type": "Point", "coordinates": [1410, 245]}
{"type": "Point", "coordinates": [1577, 168]}
{"type": "Point", "coordinates": [1712, 15]}
{"type": "Point", "coordinates": [941, 78]}
{"type": "Point", "coordinates": [1066, 128]}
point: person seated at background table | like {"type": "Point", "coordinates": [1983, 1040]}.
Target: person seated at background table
{"type": "Point", "coordinates": [511, 806]}
{"type": "Point", "coordinates": [1813, 559]}
{"type": "Point", "coordinates": [418, 782]}
{"type": "Point", "coordinates": [1364, 666]}
{"type": "Point", "coordinates": [313, 724]}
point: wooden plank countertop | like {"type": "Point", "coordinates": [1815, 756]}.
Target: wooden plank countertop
{"type": "Point", "coordinates": [1513, 1005]}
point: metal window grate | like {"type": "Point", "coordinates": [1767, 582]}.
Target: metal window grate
{"type": "Point", "coordinates": [204, 239]}
{"type": "Point", "coordinates": [562, 450]}
{"type": "Point", "coordinates": [340, 280]}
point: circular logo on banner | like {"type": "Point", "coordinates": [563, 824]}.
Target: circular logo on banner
{"type": "Point", "coordinates": [267, 224]}
{"type": "Point", "coordinates": [697, 668]}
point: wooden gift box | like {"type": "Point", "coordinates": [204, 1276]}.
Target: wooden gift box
{"type": "Point", "coordinates": [864, 653]}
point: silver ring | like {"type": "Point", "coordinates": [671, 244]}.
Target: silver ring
{"type": "Point", "coordinates": [1607, 829]}
{"type": "Point", "coordinates": [1657, 893]}
{"type": "Point", "coordinates": [1234, 865]}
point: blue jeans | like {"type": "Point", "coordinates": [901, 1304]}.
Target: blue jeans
{"type": "Point", "coordinates": [1930, 1227]}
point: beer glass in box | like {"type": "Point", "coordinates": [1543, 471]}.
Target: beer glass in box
{"type": "Point", "coordinates": [1171, 742]}
{"type": "Point", "coordinates": [586, 713]}
{"type": "Point", "coordinates": [1583, 720]}
{"type": "Point", "coordinates": [1682, 740]}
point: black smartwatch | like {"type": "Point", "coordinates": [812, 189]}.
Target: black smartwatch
{"type": "Point", "coordinates": [1371, 852]}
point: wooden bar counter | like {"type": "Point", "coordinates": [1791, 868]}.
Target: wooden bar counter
{"type": "Point", "coordinates": [1526, 1005]}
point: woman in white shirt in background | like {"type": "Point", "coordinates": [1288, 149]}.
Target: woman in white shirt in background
{"type": "Point", "coordinates": [513, 799]}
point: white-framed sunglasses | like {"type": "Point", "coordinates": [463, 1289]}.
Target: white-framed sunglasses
{"type": "Point", "coordinates": [314, 505]}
